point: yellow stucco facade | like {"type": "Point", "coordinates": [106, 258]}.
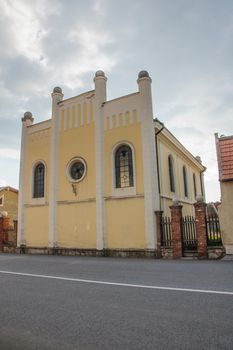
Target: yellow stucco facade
{"type": "Point", "coordinates": [93, 175]}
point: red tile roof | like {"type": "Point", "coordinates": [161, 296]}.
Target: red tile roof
{"type": "Point", "coordinates": [224, 145]}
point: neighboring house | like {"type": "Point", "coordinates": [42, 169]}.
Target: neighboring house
{"type": "Point", "coordinates": [224, 146]}
{"type": "Point", "coordinates": [94, 174]}
{"type": "Point", "coordinates": [9, 202]}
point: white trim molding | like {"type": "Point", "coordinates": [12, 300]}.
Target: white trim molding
{"type": "Point", "coordinates": [40, 200]}
{"type": "Point", "coordinates": [56, 98]}
{"type": "Point", "coordinates": [151, 189]}
{"type": "Point", "coordinates": [26, 122]}
{"type": "Point", "coordinates": [122, 191]}
{"type": "Point", "coordinates": [100, 98]}
{"type": "Point", "coordinates": [69, 165]}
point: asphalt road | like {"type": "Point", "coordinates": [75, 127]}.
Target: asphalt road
{"type": "Point", "coordinates": [64, 303]}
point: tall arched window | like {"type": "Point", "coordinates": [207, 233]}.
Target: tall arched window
{"type": "Point", "coordinates": [38, 183]}
{"type": "Point", "coordinates": [171, 173]}
{"type": "Point", "coordinates": [124, 167]}
{"type": "Point", "coordinates": [194, 186]}
{"type": "Point", "coordinates": [185, 181]}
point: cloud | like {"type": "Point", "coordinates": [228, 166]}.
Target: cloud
{"type": "Point", "coordinates": [195, 113]}
{"type": "Point", "coordinates": [23, 24]}
{"type": "Point", "coordinates": [3, 183]}
{"type": "Point", "coordinates": [9, 153]}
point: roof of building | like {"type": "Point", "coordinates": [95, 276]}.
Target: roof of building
{"type": "Point", "coordinates": [224, 146]}
{"type": "Point", "coordinates": [8, 188]}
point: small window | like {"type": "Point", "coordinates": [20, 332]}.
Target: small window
{"type": "Point", "coordinates": [76, 169]}
{"type": "Point", "coordinates": [38, 188]}
{"type": "Point", "coordinates": [171, 173]}
{"type": "Point", "coordinates": [185, 181]}
{"type": "Point", "coordinates": [194, 186]}
{"type": "Point", "coordinates": [124, 167]}
{"type": "Point", "coordinates": [1, 201]}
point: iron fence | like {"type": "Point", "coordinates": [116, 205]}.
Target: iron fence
{"type": "Point", "coordinates": [166, 234]}
{"type": "Point", "coordinates": [189, 234]}
{"type": "Point", "coordinates": [213, 231]}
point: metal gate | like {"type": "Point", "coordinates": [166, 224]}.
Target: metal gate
{"type": "Point", "coordinates": [189, 236]}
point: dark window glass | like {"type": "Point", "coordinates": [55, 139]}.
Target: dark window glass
{"type": "Point", "coordinates": [39, 181]}
{"type": "Point", "coordinates": [171, 173]}
{"type": "Point", "coordinates": [194, 186]}
{"type": "Point", "coordinates": [124, 167]}
{"type": "Point", "coordinates": [185, 182]}
{"type": "Point", "coordinates": [77, 170]}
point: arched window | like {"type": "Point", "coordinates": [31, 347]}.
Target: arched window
{"type": "Point", "coordinates": [38, 183]}
{"type": "Point", "coordinates": [124, 167]}
{"type": "Point", "coordinates": [171, 173]}
{"type": "Point", "coordinates": [194, 186]}
{"type": "Point", "coordinates": [185, 181]}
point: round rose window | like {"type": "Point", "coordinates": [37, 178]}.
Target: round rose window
{"type": "Point", "coordinates": [76, 170]}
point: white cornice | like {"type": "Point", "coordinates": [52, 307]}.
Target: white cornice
{"type": "Point", "coordinates": [39, 126]}
{"type": "Point", "coordinates": [78, 98]}
{"type": "Point", "coordinates": [121, 97]}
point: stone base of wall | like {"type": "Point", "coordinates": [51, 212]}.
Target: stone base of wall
{"type": "Point", "coordinates": [215, 252]}
{"type": "Point", "coordinates": [166, 253]}
{"type": "Point", "coordinates": [9, 249]}
{"type": "Point", "coordinates": [123, 253]}
{"type": "Point", "coordinates": [229, 248]}
{"type": "Point", "coordinates": [130, 253]}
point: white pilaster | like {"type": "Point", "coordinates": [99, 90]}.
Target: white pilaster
{"type": "Point", "coordinates": [151, 191]}
{"type": "Point", "coordinates": [27, 120]}
{"type": "Point", "coordinates": [57, 96]}
{"type": "Point", "coordinates": [100, 98]}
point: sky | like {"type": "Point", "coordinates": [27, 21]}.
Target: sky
{"type": "Point", "coordinates": [185, 45]}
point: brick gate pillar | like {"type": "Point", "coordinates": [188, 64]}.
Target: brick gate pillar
{"type": "Point", "coordinates": [200, 214]}
{"type": "Point", "coordinates": [15, 232]}
{"type": "Point", "coordinates": [176, 227]}
{"type": "Point", "coordinates": [4, 226]}
{"type": "Point", "coordinates": [158, 215]}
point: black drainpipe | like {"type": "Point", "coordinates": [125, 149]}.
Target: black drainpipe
{"type": "Point", "coordinates": [157, 161]}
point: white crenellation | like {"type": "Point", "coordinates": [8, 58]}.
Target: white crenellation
{"type": "Point", "coordinates": [70, 117]}
{"type": "Point", "coordinates": [88, 113]}
{"type": "Point", "coordinates": [111, 122]}
{"type": "Point", "coordinates": [81, 115]}
{"type": "Point", "coordinates": [117, 120]}
{"type": "Point", "coordinates": [76, 115]}
{"type": "Point", "coordinates": [120, 119]}
{"type": "Point", "coordinates": [84, 113]}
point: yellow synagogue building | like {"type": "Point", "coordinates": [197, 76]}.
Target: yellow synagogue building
{"type": "Point", "coordinates": [92, 176]}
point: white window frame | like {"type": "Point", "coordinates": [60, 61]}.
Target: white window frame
{"type": "Point", "coordinates": [70, 163]}
{"type": "Point", "coordinates": [122, 191]}
{"type": "Point", "coordinates": [40, 200]}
